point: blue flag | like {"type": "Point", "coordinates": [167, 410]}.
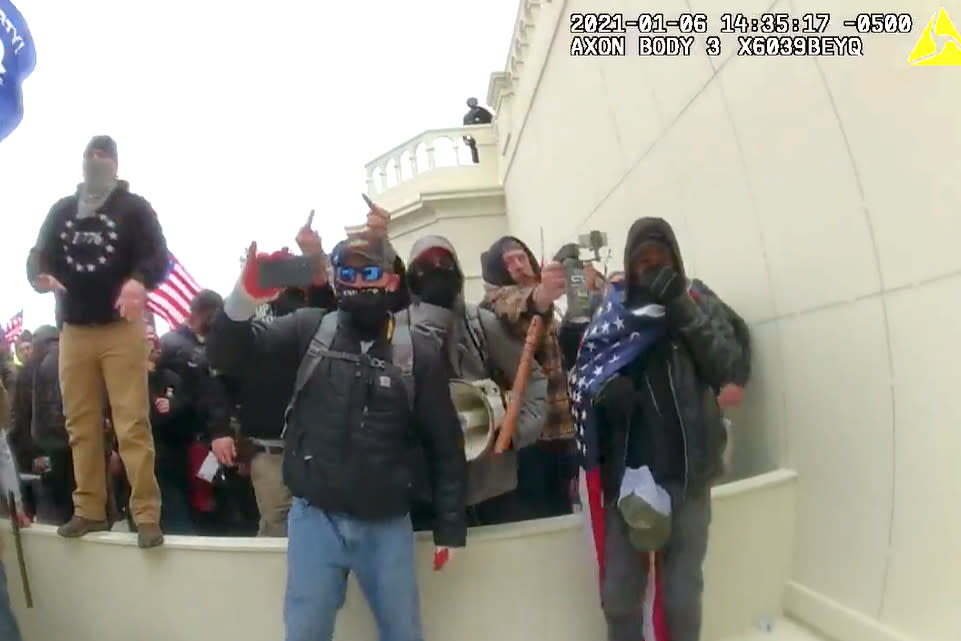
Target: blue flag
{"type": "Point", "coordinates": [18, 57]}
{"type": "Point", "coordinates": [616, 336]}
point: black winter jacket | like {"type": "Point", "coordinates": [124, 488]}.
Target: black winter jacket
{"type": "Point", "coordinates": [668, 398]}
{"type": "Point", "coordinates": [351, 435]}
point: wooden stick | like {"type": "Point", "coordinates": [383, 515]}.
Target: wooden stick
{"type": "Point", "coordinates": [518, 389]}
{"type": "Point", "coordinates": [18, 543]}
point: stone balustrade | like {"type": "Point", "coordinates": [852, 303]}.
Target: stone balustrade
{"type": "Point", "coordinates": [429, 151]}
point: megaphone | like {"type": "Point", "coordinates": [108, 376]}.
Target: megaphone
{"type": "Point", "coordinates": [480, 408]}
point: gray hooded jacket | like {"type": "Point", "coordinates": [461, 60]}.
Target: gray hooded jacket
{"type": "Point", "coordinates": [478, 347]}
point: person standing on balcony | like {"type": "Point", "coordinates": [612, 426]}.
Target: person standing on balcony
{"type": "Point", "coordinates": [367, 391]}
{"type": "Point", "coordinates": [477, 346]}
{"type": "Point", "coordinates": [476, 115]}
{"type": "Point", "coordinates": [104, 249]}
{"type": "Point", "coordinates": [517, 289]}
{"type": "Point", "coordinates": [656, 407]}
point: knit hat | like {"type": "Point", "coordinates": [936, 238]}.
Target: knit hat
{"type": "Point", "coordinates": [104, 144]}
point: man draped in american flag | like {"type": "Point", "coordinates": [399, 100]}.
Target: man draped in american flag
{"type": "Point", "coordinates": [643, 394]}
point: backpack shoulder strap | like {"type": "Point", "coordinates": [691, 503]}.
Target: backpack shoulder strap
{"type": "Point", "coordinates": [402, 355]}
{"type": "Point", "coordinates": [478, 335]}
{"type": "Point", "coordinates": [319, 344]}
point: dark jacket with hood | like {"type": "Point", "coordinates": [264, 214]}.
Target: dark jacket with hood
{"type": "Point", "coordinates": [38, 425]}
{"type": "Point", "coordinates": [668, 396]}
{"type": "Point", "coordinates": [205, 403]}
{"type": "Point", "coordinates": [93, 256]}
{"type": "Point", "coordinates": [352, 430]}
{"type": "Point", "coordinates": [477, 347]}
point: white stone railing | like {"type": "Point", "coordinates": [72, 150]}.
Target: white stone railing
{"type": "Point", "coordinates": [426, 152]}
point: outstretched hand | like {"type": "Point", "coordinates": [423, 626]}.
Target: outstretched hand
{"type": "Point", "coordinates": [250, 276]}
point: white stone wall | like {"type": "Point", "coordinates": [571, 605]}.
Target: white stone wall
{"type": "Point", "coordinates": [821, 199]}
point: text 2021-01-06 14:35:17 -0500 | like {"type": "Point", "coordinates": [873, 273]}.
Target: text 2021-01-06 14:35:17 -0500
{"type": "Point", "coordinates": [767, 34]}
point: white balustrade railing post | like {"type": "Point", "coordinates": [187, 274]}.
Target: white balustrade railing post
{"type": "Point", "coordinates": [398, 169]}
{"type": "Point", "coordinates": [431, 161]}
{"type": "Point", "coordinates": [413, 161]}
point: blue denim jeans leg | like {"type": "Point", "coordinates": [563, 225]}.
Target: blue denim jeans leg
{"type": "Point", "coordinates": [9, 631]}
{"type": "Point", "coordinates": [323, 548]}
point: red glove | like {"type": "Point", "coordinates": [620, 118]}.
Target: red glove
{"type": "Point", "coordinates": [250, 277]}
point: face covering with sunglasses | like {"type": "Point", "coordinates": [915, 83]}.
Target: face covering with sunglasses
{"type": "Point", "coordinates": [367, 306]}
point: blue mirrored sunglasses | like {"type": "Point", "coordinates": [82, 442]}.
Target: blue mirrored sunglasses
{"type": "Point", "coordinates": [369, 274]}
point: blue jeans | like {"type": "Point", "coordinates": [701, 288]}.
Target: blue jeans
{"type": "Point", "coordinates": [9, 631]}
{"type": "Point", "coordinates": [323, 548]}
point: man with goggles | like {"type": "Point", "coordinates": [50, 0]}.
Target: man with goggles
{"type": "Point", "coordinates": [367, 392]}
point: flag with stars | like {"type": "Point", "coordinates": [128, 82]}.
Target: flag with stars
{"type": "Point", "coordinates": [614, 338]}
{"type": "Point", "coordinates": [18, 58]}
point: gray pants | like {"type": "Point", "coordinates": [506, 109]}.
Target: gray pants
{"type": "Point", "coordinates": [625, 577]}
{"type": "Point", "coordinates": [9, 631]}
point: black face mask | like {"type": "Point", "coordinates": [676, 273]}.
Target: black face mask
{"type": "Point", "coordinates": [439, 287]}
{"type": "Point", "coordinates": [367, 307]}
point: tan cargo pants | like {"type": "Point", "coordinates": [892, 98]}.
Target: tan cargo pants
{"type": "Point", "coordinates": [273, 497]}
{"type": "Point", "coordinates": [111, 358]}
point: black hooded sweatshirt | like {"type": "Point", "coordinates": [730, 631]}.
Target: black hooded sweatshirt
{"type": "Point", "coordinates": [93, 257]}
{"type": "Point", "coordinates": [668, 396]}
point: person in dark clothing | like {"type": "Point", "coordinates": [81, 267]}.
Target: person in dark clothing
{"type": "Point", "coordinates": [476, 115]}
{"type": "Point", "coordinates": [263, 397]}
{"type": "Point", "coordinates": [40, 431]}
{"type": "Point", "coordinates": [666, 398]}
{"type": "Point", "coordinates": [477, 348]}
{"type": "Point", "coordinates": [172, 432]}
{"type": "Point", "coordinates": [367, 391]}
{"type": "Point", "coordinates": [103, 247]}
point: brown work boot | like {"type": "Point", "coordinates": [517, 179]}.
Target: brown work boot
{"type": "Point", "coordinates": [149, 535]}
{"type": "Point", "coordinates": [78, 526]}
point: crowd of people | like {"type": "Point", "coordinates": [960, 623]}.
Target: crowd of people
{"type": "Point", "coordinates": [323, 413]}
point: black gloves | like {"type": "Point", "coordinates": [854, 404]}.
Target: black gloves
{"type": "Point", "coordinates": [663, 283]}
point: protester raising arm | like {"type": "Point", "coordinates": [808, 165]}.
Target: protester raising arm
{"type": "Point", "coordinates": [236, 342]}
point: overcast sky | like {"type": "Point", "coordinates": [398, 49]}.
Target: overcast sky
{"type": "Point", "coordinates": [233, 118]}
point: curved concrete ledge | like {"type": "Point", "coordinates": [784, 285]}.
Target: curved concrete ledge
{"type": "Point", "coordinates": [530, 580]}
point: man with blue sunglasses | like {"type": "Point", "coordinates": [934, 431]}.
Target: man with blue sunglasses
{"type": "Point", "coordinates": [368, 391]}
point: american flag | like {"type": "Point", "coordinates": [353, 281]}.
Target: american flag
{"type": "Point", "coordinates": [613, 339]}
{"type": "Point", "coordinates": [170, 300]}
{"type": "Point", "coordinates": [13, 328]}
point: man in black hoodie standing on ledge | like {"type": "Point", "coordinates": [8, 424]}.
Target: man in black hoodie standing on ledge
{"type": "Point", "coordinates": [103, 249]}
{"type": "Point", "coordinates": [367, 390]}
{"type": "Point", "coordinates": [661, 411]}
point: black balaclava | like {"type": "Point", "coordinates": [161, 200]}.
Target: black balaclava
{"type": "Point", "coordinates": [438, 286]}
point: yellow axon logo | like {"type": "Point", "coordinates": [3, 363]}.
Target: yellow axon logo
{"type": "Point", "coordinates": [939, 44]}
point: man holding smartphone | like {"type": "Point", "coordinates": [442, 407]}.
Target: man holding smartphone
{"type": "Point", "coordinates": [366, 391]}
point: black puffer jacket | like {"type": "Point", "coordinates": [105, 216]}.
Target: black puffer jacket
{"type": "Point", "coordinates": [668, 397]}
{"type": "Point", "coordinates": [48, 425]}
{"type": "Point", "coordinates": [352, 434]}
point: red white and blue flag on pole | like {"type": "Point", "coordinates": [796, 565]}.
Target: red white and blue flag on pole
{"type": "Point", "coordinates": [614, 338]}
{"type": "Point", "coordinates": [170, 300]}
